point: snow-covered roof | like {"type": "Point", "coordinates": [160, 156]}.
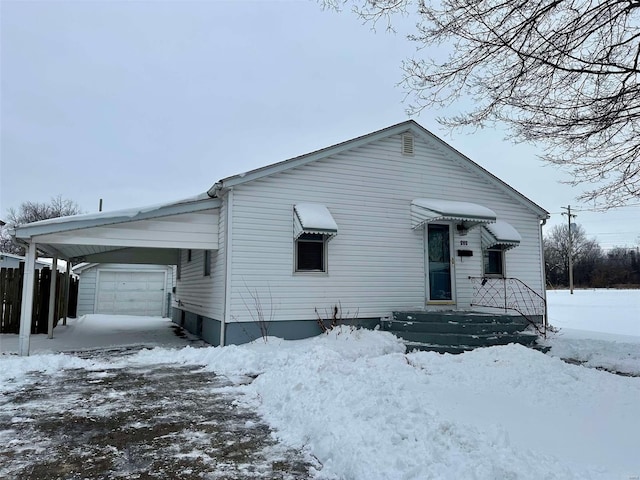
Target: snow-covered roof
{"type": "Point", "coordinates": [313, 218]}
{"type": "Point", "coordinates": [115, 215]}
{"type": "Point", "coordinates": [425, 210]}
{"type": "Point", "coordinates": [61, 224]}
{"type": "Point", "coordinates": [72, 237]}
{"type": "Point", "coordinates": [501, 234]}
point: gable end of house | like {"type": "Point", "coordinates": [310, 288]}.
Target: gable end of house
{"type": "Point", "coordinates": [408, 131]}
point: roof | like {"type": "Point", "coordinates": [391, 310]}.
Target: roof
{"type": "Point", "coordinates": [39, 232]}
{"type": "Point", "coordinates": [42, 261]}
{"type": "Point", "coordinates": [61, 224]}
{"type": "Point", "coordinates": [21, 258]}
{"type": "Point", "coordinates": [407, 126]}
{"type": "Point", "coordinates": [78, 236]}
{"type": "Point", "coordinates": [12, 255]}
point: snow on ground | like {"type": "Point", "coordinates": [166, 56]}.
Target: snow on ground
{"type": "Point", "coordinates": [599, 328]}
{"type": "Point", "coordinates": [88, 332]}
{"type": "Point", "coordinates": [596, 310]}
{"type": "Point", "coordinates": [100, 331]}
{"type": "Point", "coordinates": [366, 410]}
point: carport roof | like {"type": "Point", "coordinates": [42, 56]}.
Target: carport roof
{"type": "Point", "coordinates": [82, 236]}
{"type": "Point", "coordinates": [73, 222]}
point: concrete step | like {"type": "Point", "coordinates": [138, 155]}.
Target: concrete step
{"type": "Point", "coordinates": [458, 317]}
{"type": "Point", "coordinates": [456, 349]}
{"type": "Point", "coordinates": [426, 347]}
{"type": "Point", "coordinates": [456, 339]}
{"type": "Point", "coordinates": [452, 326]}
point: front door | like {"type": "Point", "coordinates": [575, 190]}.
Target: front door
{"type": "Point", "coordinates": [438, 245]}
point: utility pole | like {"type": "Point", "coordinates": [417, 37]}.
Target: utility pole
{"type": "Point", "coordinates": [570, 253]}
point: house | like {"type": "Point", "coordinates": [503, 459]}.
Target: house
{"type": "Point", "coordinates": [10, 260]}
{"type": "Point", "coordinates": [393, 221]}
{"type": "Point", "coordinates": [124, 289]}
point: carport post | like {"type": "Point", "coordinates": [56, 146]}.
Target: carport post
{"type": "Point", "coordinates": [66, 293]}
{"type": "Point", "coordinates": [52, 295]}
{"type": "Point", "coordinates": [28, 283]}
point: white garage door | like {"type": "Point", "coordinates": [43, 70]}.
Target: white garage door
{"type": "Point", "coordinates": [130, 293]}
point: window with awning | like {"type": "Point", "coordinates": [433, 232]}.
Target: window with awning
{"type": "Point", "coordinates": [500, 234]}
{"type": "Point", "coordinates": [469, 215]}
{"type": "Point", "coordinates": [313, 218]}
{"type": "Point", "coordinates": [313, 227]}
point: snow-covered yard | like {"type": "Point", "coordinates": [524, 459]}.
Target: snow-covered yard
{"type": "Point", "coordinates": [365, 409]}
{"type": "Point", "coordinates": [599, 328]}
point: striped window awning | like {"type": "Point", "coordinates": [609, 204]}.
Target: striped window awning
{"type": "Point", "coordinates": [313, 218]}
{"type": "Point", "coordinates": [426, 210]}
{"type": "Point", "coordinates": [500, 234]}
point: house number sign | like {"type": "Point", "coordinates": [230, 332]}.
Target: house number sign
{"type": "Point", "coordinates": [464, 243]}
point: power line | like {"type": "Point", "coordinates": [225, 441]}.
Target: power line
{"type": "Point", "coordinates": [598, 209]}
{"type": "Point", "coordinates": [605, 209]}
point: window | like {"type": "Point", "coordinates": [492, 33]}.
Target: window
{"type": "Point", "coordinates": [207, 263]}
{"type": "Point", "coordinates": [311, 253]}
{"type": "Point", "coordinates": [493, 259]}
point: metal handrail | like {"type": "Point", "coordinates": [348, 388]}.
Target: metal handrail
{"type": "Point", "coordinates": [508, 293]}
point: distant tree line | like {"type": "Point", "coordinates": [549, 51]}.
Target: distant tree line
{"type": "Point", "coordinates": [592, 266]}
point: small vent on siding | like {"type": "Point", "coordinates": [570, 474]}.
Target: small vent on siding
{"type": "Point", "coordinates": [407, 144]}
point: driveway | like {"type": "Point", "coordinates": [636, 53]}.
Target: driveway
{"type": "Point", "coordinates": [163, 421]}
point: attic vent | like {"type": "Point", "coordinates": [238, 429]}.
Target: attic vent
{"type": "Point", "coordinates": [407, 144]}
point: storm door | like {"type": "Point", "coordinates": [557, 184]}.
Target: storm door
{"type": "Point", "coordinates": [438, 246]}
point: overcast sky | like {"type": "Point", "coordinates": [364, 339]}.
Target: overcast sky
{"type": "Point", "coordinates": [146, 102]}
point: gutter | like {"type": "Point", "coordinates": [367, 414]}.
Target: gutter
{"type": "Point", "coordinates": [215, 189]}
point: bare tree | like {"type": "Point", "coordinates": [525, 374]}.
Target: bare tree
{"type": "Point", "coordinates": [586, 254]}
{"type": "Point", "coordinates": [562, 73]}
{"type": "Point", "coordinates": [29, 212]}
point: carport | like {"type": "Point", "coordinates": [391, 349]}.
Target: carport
{"type": "Point", "coordinates": [137, 236]}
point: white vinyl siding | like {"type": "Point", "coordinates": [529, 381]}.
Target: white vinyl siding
{"type": "Point", "coordinates": [376, 263]}
{"type": "Point", "coordinates": [87, 292]}
{"type": "Point", "coordinates": [199, 294]}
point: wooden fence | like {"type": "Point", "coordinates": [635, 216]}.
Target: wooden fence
{"type": "Point", "coordinates": [11, 299]}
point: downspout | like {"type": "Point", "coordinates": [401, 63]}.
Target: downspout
{"type": "Point", "coordinates": [543, 222]}
{"type": "Point", "coordinates": [228, 252]}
